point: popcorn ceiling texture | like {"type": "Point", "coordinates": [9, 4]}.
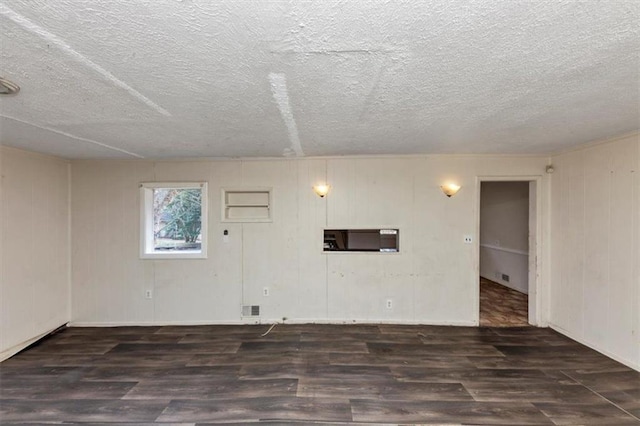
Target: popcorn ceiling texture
{"type": "Point", "coordinates": [169, 78]}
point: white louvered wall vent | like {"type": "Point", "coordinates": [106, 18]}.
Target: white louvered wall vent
{"type": "Point", "coordinates": [250, 310]}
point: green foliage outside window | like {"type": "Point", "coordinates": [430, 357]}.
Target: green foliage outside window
{"type": "Point", "coordinates": [177, 214]}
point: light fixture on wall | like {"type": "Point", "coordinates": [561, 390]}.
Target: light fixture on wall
{"type": "Point", "coordinates": [450, 189]}
{"type": "Point", "coordinates": [321, 189]}
{"type": "Point", "coordinates": [8, 88]}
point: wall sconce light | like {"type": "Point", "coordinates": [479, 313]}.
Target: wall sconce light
{"type": "Point", "coordinates": [450, 189]}
{"type": "Point", "coordinates": [322, 189]}
{"type": "Point", "coordinates": [8, 88]}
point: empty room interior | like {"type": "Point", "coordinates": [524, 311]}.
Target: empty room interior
{"type": "Point", "coordinates": [320, 212]}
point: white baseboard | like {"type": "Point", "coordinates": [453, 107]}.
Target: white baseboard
{"type": "Point", "coordinates": [8, 353]}
{"type": "Point", "coordinates": [254, 321]}
{"type": "Point", "coordinates": [627, 362]}
{"type": "Point", "coordinates": [151, 323]}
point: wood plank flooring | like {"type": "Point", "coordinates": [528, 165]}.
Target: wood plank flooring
{"type": "Point", "coordinates": [316, 374]}
{"type": "Point", "coordinates": [501, 306]}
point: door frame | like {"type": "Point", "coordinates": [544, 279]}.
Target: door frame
{"type": "Point", "coordinates": [535, 300]}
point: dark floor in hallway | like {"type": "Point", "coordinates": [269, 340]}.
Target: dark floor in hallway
{"type": "Point", "coordinates": [317, 374]}
{"type": "Point", "coordinates": [501, 306]}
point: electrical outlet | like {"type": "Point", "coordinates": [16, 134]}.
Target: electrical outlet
{"type": "Point", "coordinates": [148, 294]}
{"type": "Point", "coordinates": [389, 304]}
{"type": "Point", "coordinates": [468, 239]}
{"type": "Point", "coordinates": [265, 291]}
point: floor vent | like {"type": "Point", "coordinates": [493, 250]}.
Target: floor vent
{"type": "Point", "coordinates": [251, 310]}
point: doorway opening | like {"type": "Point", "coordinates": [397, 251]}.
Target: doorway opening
{"type": "Point", "coordinates": [507, 252]}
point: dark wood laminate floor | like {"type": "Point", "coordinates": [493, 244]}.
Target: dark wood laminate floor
{"type": "Point", "coordinates": [325, 374]}
{"type": "Point", "coordinates": [501, 306]}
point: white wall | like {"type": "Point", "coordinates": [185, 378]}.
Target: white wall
{"type": "Point", "coordinates": [594, 293]}
{"type": "Point", "coordinates": [504, 233]}
{"type": "Point", "coordinates": [595, 236]}
{"type": "Point", "coordinates": [432, 280]}
{"type": "Point", "coordinates": [34, 256]}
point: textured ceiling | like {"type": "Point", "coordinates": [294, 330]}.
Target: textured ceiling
{"type": "Point", "coordinates": [240, 78]}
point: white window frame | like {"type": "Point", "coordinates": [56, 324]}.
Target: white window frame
{"type": "Point", "coordinates": [146, 221]}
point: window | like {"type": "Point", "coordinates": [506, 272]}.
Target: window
{"type": "Point", "coordinates": [173, 220]}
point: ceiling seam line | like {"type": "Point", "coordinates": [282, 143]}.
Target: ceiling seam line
{"type": "Point", "coordinates": [60, 43]}
{"type": "Point", "coordinates": [69, 135]}
{"type": "Point", "coordinates": [278, 83]}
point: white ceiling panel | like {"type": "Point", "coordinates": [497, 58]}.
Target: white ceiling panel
{"type": "Point", "coordinates": [237, 78]}
{"type": "Point", "coordinates": [48, 141]}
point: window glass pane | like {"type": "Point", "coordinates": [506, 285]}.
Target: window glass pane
{"type": "Point", "coordinates": [177, 219]}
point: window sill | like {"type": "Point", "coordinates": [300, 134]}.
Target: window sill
{"type": "Point", "coordinates": [167, 255]}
